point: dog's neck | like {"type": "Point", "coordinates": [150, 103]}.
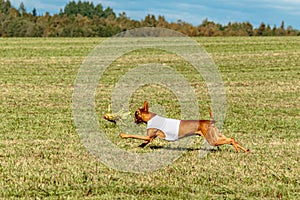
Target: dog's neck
{"type": "Point", "coordinates": [147, 116]}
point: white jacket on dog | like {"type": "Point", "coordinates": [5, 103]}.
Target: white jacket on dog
{"type": "Point", "coordinates": [170, 127]}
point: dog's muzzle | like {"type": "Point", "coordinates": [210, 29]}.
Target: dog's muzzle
{"type": "Point", "coordinates": [137, 119]}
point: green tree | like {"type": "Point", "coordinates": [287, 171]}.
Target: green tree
{"type": "Point", "coordinates": [149, 21]}
{"type": "Point", "coordinates": [162, 22]}
{"type": "Point", "coordinates": [248, 28]}
{"type": "Point", "coordinates": [83, 18]}
{"type": "Point", "coordinates": [87, 9]}
{"type": "Point", "coordinates": [282, 25]}
{"type": "Point", "coordinates": [125, 23]}
{"type": "Point", "coordinates": [281, 31]}
{"type": "Point", "coordinates": [109, 12]}
{"type": "Point", "coordinates": [209, 28]}
{"type": "Point", "coordinates": [34, 13]}
{"type": "Point", "coordinates": [5, 5]}
{"type": "Point", "coordinates": [260, 31]}
{"type": "Point", "coordinates": [22, 9]}
{"type": "Point", "coordinates": [99, 10]}
{"type": "Point", "coordinates": [71, 8]}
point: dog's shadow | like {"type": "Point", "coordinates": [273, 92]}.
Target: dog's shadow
{"type": "Point", "coordinates": [183, 148]}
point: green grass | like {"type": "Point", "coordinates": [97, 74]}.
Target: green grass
{"type": "Point", "coordinates": [41, 155]}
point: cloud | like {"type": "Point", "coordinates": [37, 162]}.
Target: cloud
{"type": "Point", "coordinates": [41, 5]}
{"type": "Point", "coordinates": [106, 3]}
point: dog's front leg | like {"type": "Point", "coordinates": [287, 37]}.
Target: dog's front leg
{"type": "Point", "coordinates": [151, 134]}
{"type": "Point", "coordinates": [140, 137]}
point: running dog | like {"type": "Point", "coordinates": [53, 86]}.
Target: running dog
{"type": "Point", "coordinates": [172, 129]}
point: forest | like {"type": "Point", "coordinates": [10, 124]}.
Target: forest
{"type": "Point", "coordinates": [84, 19]}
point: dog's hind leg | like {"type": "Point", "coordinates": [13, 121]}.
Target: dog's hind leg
{"type": "Point", "coordinates": [225, 140]}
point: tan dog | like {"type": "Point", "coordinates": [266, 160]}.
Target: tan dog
{"type": "Point", "coordinates": [171, 129]}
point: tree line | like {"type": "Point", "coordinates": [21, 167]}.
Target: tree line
{"type": "Point", "coordinates": [84, 19]}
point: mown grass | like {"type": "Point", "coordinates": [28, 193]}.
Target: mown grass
{"type": "Point", "coordinates": [41, 155]}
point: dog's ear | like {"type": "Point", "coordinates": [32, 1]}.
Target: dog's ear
{"type": "Point", "coordinates": [145, 106]}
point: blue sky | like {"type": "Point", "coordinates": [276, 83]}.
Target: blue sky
{"type": "Point", "coordinates": [192, 11]}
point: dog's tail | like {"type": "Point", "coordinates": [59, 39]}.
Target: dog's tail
{"type": "Point", "coordinates": [211, 116]}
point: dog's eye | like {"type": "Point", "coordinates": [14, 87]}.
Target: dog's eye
{"type": "Point", "coordinates": [137, 113]}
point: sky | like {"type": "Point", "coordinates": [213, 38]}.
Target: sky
{"type": "Point", "coordinates": [271, 12]}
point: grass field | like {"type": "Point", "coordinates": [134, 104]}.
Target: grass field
{"type": "Point", "coordinates": [41, 155]}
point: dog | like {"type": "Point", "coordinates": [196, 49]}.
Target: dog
{"type": "Point", "coordinates": [172, 129]}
